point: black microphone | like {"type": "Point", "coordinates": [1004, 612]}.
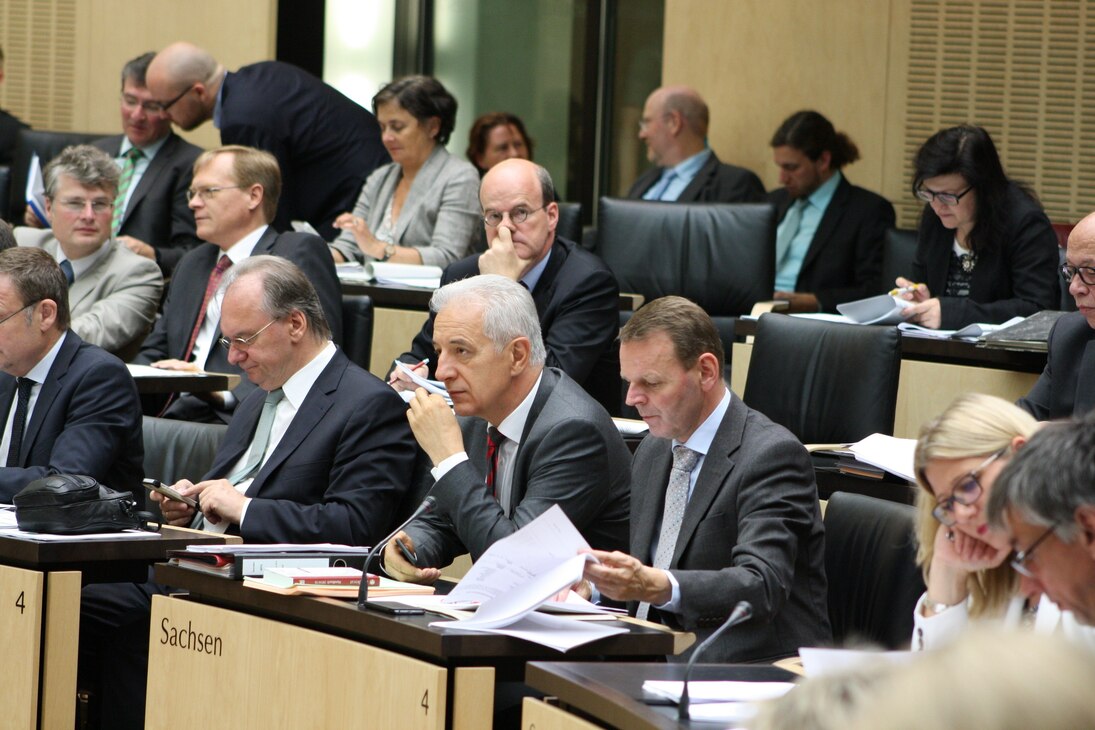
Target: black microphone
{"type": "Point", "coordinates": [741, 613]}
{"type": "Point", "coordinates": [363, 589]}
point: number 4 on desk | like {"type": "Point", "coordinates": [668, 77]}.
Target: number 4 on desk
{"type": "Point", "coordinates": [21, 602]}
{"type": "Point", "coordinates": [425, 703]}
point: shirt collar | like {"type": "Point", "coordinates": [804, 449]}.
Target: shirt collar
{"type": "Point", "coordinates": [701, 438]}
{"type": "Point", "coordinates": [81, 265]}
{"type": "Point", "coordinates": [298, 385]}
{"type": "Point", "coordinates": [242, 248]}
{"type": "Point", "coordinates": [820, 198]}
{"type": "Point", "coordinates": [513, 425]}
{"type": "Point", "coordinates": [40, 371]}
{"type": "Point", "coordinates": [149, 151]}
{"type": "Point", "coordinates": [687, 168]}
{"type": "Point", "coordinates": [532, 278]}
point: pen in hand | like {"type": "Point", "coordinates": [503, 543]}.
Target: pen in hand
{"type": "Point", "coordinates": [905, 290]}
{"type": "Point", "coordinates": [410, 367]}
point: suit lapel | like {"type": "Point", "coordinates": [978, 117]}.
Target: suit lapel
{"type": "Point", "coordinates": [828, 224]}
{"type": "Point", "coordinates": [548, 381]}
{"type": "Point", "coordinates": [1085, 385]}
{"type": "Point", "coordinates": [148, 179]}
{"type": "Point", "coordinates": [691, 193]}
{"type": "Point", "coordinates": [87, 282]}
{"type": "Point", "coordinates": [48, 392]}
{"type": "Point", "coordinates": [417, 194]}
{"type": "Point", "coordinates": [647, 507]}
{"type": "Point", "coordinates": [545, 287]}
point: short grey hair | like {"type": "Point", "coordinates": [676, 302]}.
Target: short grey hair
{"type": "Point", "coordinates": [87, 165]}
{"type": "Point", "coordinates": [285, 289]}
{"type": "Point", "coordinates": [1048, 478]}
{"type": "Point", "coordinates": [547, 187]}
{"type": "Point", "coordinates": [508, 310]}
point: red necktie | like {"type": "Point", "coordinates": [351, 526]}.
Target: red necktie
{"type": "Point", "coordinates": [210, 289]}
{"type": "Point", "coordinates": [494, 441]}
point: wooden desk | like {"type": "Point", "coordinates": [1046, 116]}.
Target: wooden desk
{"type": "Point", "coordinates": [933, 373]}
{"type": "Point", "coordinates": [283, 659]}
{"type": "Point", "coordinates": [40, 614]}
{"type": "Point", "coordinates": [611, 693]}
{"type": "Point", "coordinates": [206, 383]}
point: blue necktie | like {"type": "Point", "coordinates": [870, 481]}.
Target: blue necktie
{"type": "Point", "coordinates": [66, 266]}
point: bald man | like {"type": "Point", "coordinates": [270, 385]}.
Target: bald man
{"type": "Point", "coordinates": [325, 144]}
{"type": "Point", "coordinates": [674, 128]}
{"type": "Point", "coordinates": [1067, 385]}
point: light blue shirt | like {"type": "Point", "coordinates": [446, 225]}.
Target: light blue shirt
{"type": "Point", "coordinates": [816, 204]}
{"type": "Point", "coordinates": [683, 173]}
{"type": "Point", "coordinates": [532, 278]}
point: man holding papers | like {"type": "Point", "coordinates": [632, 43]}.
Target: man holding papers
{"type": "Point", "coordinates": [723, 502]}
{"type": "Point", "coordinates": [536, 438]}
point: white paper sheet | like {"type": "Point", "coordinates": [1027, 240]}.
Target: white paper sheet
{"type": "Point", "coordinates": [717, 691]}
{"type": "Point", "coordinates": [43, 537]}
{"type": "Point", "coordinates": [820, 661]}
{"type": "Point", "coordinates": [281, 547]}
{"type": "Point", "coordinates": [555, 632]}
{"type": "Point", "coordinates": [431, 386]}
{"type": "Point", "coordinates": [147, 371]}
{"type": "Point", "coordinates": [887, 452]}
{"type": "Point", "coordinates": [36, 190]}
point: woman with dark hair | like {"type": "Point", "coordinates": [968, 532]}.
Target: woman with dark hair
{"type": "Point", "coordinates": [497, 136]}
{"type": "Point", "coordinates": [423, 207]}
{"type": "Point", "coordinates": [985, 248]}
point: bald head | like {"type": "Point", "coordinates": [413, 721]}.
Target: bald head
{"type": "Point", "coordinates": [185, 79]}
{"type": "Point", "coordinates": [687, 102]}
{"type": "Point", "coordinates": [674, 124]}
{"type": "Point", "coordinates": [1081, 253]}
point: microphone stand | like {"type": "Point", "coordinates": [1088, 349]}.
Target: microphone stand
{"type": "Point", "coordinates": [741, 613]}
{"type": "Point", "coordinates": [363, 588]}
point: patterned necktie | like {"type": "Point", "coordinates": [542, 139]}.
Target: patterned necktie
{"type": "Point", "coordinates": [210, 289]}
{"type": "Point", "coordinates": [261, 439]}
{"type": "Point", "coordinates": [494, 442]}
{"type": "Point", "coordinates": [128, 167]}
{"type": "Point", "coordinates": [66, 268]}
{"type": "Point", "coordinates": [676, 499]}
{"type": "Point", "coordinates": [19, 423]}
{"type": "Point", "coordinates": [788, 229]}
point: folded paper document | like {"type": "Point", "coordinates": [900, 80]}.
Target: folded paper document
{"type": "Point", "coordinates": [883, 309]}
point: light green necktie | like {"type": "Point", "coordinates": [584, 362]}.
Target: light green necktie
{"type": "Point", "coordinates": [261, 439]}
{"type": "Point", "coordinates": [128, 167]}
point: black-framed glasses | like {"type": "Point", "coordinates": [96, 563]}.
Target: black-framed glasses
{"type": "Point", "coordinates": [518, 215]}
{"type": "Point", "coordinates": [208, 192]}
{"type": "Point", "coordinates": [1087, 274]}
{"type": "Point", "coordinates": [17, 311]}
{"type": "Point", "coordinates": [164, 106]}
{"type": "Point", "coordinates": [945, 198]}
{"type": "Point", "coordinates": [1019, 562]}
{"type": "Point", "coordinates": [242, 343]}
{"type": "Point", "coordinates": [965, 492]}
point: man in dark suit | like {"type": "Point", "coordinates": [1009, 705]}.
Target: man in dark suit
{"type": "Point", "coordinates": [739, 519]}
{"type": "Point", "coordinates": [829, 239]}
{"type": "Point", "coordinates": [528, 437]}
{"type": "Point", "coordinates": [234, 197]}
{"type": "Point", "coordinates": [325, 143]}
{"type": "Point", "coordinates": [674, 128]}
{"type": "Point", "coordinates": [1067, 385]}
{"type": "Point", "coordinates": [9, 127]}
{"type": "Point", "coordinates": [576, 295]}
{"type": "Point", "coordinates": [151, 216]}
{"type": "Point", "coordinates": [71, 407]}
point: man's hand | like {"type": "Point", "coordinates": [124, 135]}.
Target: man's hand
{"type": "Point", "coordinates": [175, 513]}
{"type": "Point", "coordinates": [221, 501]}
{"type": "Point", "coordinates": [138, 247]}
{"type": "Point", "coordinates": [176, 365]}
{"type": "Point", "coordinates": [30, 219]}
{"type": "Point", "coordinates": [800, 301]}
{"type": "Point", "coordinates": [397, 566]}
{"type": "Point", "coordinates": [622, 577]}
{"type": "Point", "coordinates": [501, 258]}
{"type": "Point", "coordinates": [434, 426]}
{"type": "Point", "coordinates": [402, 381]}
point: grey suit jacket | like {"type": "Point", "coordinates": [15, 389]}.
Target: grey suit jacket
{"type": "Point", "coordinates": [1066, 387]}
{"type": "Point", "coordinates": [752, 531]}
{"type": "Point", "coordinates": [570, 454]}
{"type": "Point", "coordinates": [113, 303]}
{"type": "Point", "coordinates": [440, 216]}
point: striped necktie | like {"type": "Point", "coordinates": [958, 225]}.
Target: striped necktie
{"type": "Point", "coordinates": [126, 178]}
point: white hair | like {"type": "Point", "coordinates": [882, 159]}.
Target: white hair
{"type": "Point", "coordinates": [508, 310]}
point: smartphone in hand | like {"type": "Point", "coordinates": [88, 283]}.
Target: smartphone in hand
{"type": "Point", "coordinates": [154, 485]}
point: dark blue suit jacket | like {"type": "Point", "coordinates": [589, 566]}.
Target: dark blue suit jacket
{"type": "Point", "coordinates": [339, 472]}
{"type": "Point", "coordinates": [1066, 387]}
{"type": "Point", "coordinates": [86, 420]}
{"type": "Point", "coordinates": [325, 143]}
{"type": "Point", "coordinates": [716, 182]}
{"type": "Point", "coordinates": [171, 333]}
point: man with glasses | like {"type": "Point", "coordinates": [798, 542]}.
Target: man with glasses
{"type": "Point", "coordinates": [576, 295]}
{"type": "Point", "coordinates": [1045, 500]}
{"type": "Point", "coordinates": [113, 292]}
{"type": "Point", "coordinates": [325, 143]}
{"type": "Point", "coordinates": [1067, 385]}
{"type": "Point", "coordinates": [69, 407]}
{"type": "Point", "coordinates": [233, 196]}
{"type": "Point", "coordinates": [674, 128]}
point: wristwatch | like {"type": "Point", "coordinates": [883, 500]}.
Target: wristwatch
{"type": "Point", "coordinates": [389, 251]}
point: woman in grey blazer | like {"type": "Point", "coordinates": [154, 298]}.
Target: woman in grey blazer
{"type": "Point", "coordinates": [423, 208]}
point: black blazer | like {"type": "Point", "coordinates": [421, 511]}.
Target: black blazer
{"type": "Point", "coordinates": [1016, 278]}
{"type": "Point", "coordinates": [339, 471]}
{"type": "Point", "coordinates": [171, 333]}
{"type": "Point", "coordinates": [716, 182]}
{"type": "Point", "coordinates": [10, 126]}
{"type": "Point", "coordinates": [325, 143]}
{"type": "Point", "coordinates": [157, 212]}
{"type": "Point", "coordinates": [845, 257]}
{"type": "Point", "coordinates": [1067, 385]}
{"type": "Point", "coordinates": [577, 299]}
{"type": "Point", "coordinates": [86, 420]}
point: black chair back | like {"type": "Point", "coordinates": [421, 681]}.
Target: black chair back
{"type": "Point", "coordinates": [870, 561]}
{"type": "Point", "coordinates": [825, 382]}
{"type": "Point", "coordinates": [898, 254]}
{"type": "Point", "coordinates": [570, 222]}
{"type": "Point", "coordinates": [175, 450]}
{"type": "Point", "coordinates": [357, 328]}
{"type": "Point", "coordinates": [48, 145]}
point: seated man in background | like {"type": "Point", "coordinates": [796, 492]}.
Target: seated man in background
{"type": "Point", "coordinates": [830, 234]}
{"type": "Point", "coordinates": [1066, 386]}
{"type": "Point", "coordinates": [113, 293]}
{"type": "Point", "coordinates": [576, 296]}
{"type": "Point", "coordinates": [723, 502]}
{"type": "Point", "coordinates": [234, 198]}
{"type": "Point", "coordinates": [528, 438]}
{"type": "Point", "coordinates": [70, 407]}
{"type": "Point", "coordinates": [674, 128]}
{"type": "Point", "coordinates": [320, 451]}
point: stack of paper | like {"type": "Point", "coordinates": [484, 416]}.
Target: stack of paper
{"type": "Point", "coordinates": [887, 452]}
{"type": "Point", "coordinates": [719, 701]}
{"type": "Point", "coordinates": [417, 275]}
{"type": "Point", "coordinates": [883, 309]}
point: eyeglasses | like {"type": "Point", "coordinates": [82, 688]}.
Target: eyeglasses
{"type": "Point", "coordinates": [164, 106]}
{"type": "Point", "coordinates": [1087, 274]}
{"type": "Point", "coordinates": [1019, 562]}
{"type": "Point", "coordinates": [966, 492]}
{"type": "Point", "coordinates": [945, 198]}
{"type": "Point", "coordinates": [151, 108]}
{"type": "Point", "coordinates": [208, 192]}
{"type": "Point", "coordinates": [242, 343]}
{"type": "Point", "coordinates": [79, 205]}
{"type": "Point", "coordinates": [517, 216]}
{"type": "Point", "coordinates": [17, 311]}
